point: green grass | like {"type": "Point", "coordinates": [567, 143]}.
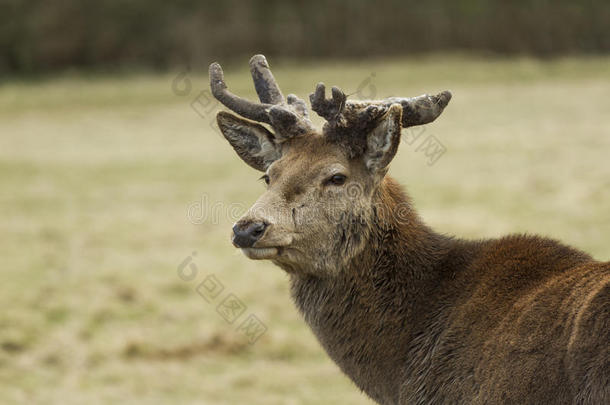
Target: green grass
{"type": "Point", "coordinates": [97, 174]}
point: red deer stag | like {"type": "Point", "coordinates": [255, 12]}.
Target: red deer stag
{"type": "Point", "coordinates": [410, 315]}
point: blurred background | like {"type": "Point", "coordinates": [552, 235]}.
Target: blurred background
{"type": "Point", "coordinates": [41, 36]}
{"type": "Point", "coordinates": [117, 192]}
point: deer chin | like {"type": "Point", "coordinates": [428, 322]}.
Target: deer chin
{"type": "Point", "coordinates": [262, 253]}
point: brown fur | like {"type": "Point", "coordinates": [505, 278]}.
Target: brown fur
{"type": "Point", "coordinates": [410, 315]}
{"type": "Point", "coordinates": [416, 317]}
{"type": "Point", "coordinates": [420, 318]}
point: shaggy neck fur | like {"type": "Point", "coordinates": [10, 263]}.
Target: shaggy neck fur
{"type": "Point", "coordinates": [418, 317]}
{"type": "Point", "coordinates": [382, 295]}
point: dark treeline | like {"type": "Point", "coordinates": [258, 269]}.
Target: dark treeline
{"type": "Point", "coordinates": [47, 35]}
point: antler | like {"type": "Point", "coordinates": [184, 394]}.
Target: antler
{"type": "Point", "coordinates": [288, 116]}
{"type": "Point", "coordinates": [338, 111]}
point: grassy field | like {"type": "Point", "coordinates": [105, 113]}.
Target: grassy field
{"type": "Point", "coordinates": [98, 175]}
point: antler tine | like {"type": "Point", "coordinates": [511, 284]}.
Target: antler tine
{"type": "Point", "coordinates": [338, 111]}
{"type": "Point", "coordinates": [266, 87]}
{"type": "Point", "coordinates": [421, 109]}
{"type": "Point", "coordinates": [330, 109]}
{"type": "Point", "coordinates": [245, 108]}
{"type": "Point", "coordinates": [288, 117]}
{"type": "Point", "coordinates": [298, 105]}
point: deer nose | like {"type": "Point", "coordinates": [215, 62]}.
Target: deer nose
{"type": "Point", "coordinates": [246, 234]}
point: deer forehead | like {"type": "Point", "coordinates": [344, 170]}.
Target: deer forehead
{"type": "Point", "coordinates": [310, 158]}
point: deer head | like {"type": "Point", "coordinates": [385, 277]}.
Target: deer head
{"type": "Point", "coordinates": [322, 185]}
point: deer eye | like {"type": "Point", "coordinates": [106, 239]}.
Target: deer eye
{"type": "Point", "coordinates": [265, 178]}
{"type": "Point", "coordinates": [337, 180]}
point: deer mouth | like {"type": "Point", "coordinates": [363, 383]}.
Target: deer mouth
{"type": "Point", "coordinates": [261, 253]}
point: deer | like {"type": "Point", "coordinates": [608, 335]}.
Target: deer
{"type": "Point", "coordinates": [410, 315]}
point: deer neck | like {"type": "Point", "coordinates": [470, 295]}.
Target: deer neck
{"type": "Point", "coordinates": [366, 315]}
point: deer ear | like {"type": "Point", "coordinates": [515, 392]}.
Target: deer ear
{"type": "Point", "coordinates": [382, 142]}
{"type": "Point", "coordinates": [252, 142]}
